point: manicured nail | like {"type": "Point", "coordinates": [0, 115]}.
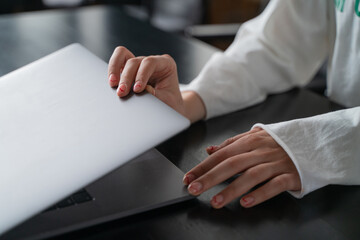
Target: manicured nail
{"type": "Point", "coordinates": [211, 148]}
{"type": "Point", "coordinates": [217, 200]}
{"type": "Point", "coordinates": [121, 88]}
{"type": "Point", "coordinates": [195, 187]}
{"type": "Point", "coordinates": [137, 86]}
{"type": "Point", "coordinates": [112, 78]}
{"type": "Point", "coordinates": [188, 178]}
{"type": "Point", "coordinates": [247, 201]}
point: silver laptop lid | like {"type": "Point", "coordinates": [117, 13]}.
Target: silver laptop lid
{"type": "Point", "coordinates": [62, 127]}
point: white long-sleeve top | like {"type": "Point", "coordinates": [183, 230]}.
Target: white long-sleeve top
{"type": "Point", "coordinates": [283, 48]}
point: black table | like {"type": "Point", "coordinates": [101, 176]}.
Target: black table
{"type": "Point", "coordinates": [329, 213]}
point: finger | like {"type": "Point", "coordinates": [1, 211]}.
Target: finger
{"type": "Point", "coordinates": [269, 190]}
{"type": "Point", "coordinates": [117, 63]}
{"type": "Point", "coordinates": [211, 149]}
{"type": "Point", "coordinates": [153, 69]}
{"type": "Point", "coordinates": [247, 181]}
{"type": "Point", "coordinates": [128, 76]}
{"type": "Point", "coordinates": [146, 70]}
{"type": "Point", "coordinates": [242, 145]}
{"type": "Point", "coordinates": [150, 90]}
{"type": "Point", "coordinates": [223, 171]}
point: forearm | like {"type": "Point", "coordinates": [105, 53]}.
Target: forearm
{"type": "Point", "coordinates": [194, 108]}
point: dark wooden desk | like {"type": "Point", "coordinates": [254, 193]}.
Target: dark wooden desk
{"type": "Point", "coordinates": [329, 213]}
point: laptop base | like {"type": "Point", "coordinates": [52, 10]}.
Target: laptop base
{"type": "Point", "coordinates": [150, 181]}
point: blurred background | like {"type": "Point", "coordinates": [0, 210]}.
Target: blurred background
{"type": "Point", "coordinates": [212, 21]}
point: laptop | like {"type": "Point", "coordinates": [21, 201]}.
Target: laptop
{"type": "Point", "coordinates": [73, 154]}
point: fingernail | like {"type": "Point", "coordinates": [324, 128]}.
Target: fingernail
{"type": "Point", "coordinates": [195, 187]}
{"type": "Point", "coordinates": [217, 200]}
{"type": "Point", "coordinates": [121, 89]}
{"type": "Point", "coordinates": [247, 201]}
{"type": "Point", "coordinates": [188, 178]}
{"type": "Point", "coordinates": [137, 86]}
{"type": "Point", "coordinates": [211, 148]}
{"type": "Point", "coordinates": [112, 78]}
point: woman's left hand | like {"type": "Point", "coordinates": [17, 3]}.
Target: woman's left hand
{"type": "Point", "coordinates": [258, 159]}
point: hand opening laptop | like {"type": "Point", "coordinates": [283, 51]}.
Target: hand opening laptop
{"type": "Point", "coordinates": [62, 130]}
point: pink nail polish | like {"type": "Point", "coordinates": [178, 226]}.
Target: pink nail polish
{"type": "Point", "coordinates": [218, 199]}
{"type": "Point", "coordinates": [195, 187]}
{"type": "Point", "coordinates": [211, 148]}
{"type": "Point", "coordinates": [137, 85]}
{"type": "Point", "coordinates": [122, 88]}
{"type": "Point", "coordinates": [188, 178]}
{"type": "Point", "coordinates": [248, 200]}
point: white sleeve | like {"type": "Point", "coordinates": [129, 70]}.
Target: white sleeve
{"type": "Point", "coordinates": [280, 49]}
{"type": "Point", "coordinates": [325, 149]}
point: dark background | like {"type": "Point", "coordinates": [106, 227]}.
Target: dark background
{"type": "Point", "coordinates": [159, 12]}
{"type": "Point", "coordinates": [212, 21]}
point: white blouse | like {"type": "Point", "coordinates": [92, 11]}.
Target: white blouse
{"type": "Point", "coordinates": [283, 48]}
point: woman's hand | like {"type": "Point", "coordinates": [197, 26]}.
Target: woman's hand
{"type": "Point", "coordinates": [156, 74]}
{"type": "Point", "coordinates": [258, 159]}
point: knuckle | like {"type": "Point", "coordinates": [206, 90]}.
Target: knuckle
{"type": "Point", "coordinates": [256, 129]}
{"type": "Point", "coordinates": [248, 138]}
{"type": "Point", "coordinates": [233, 163]}
{"type": "Point", "coordinates": [253, 173]}
{"type": "Point", "coordinates": [171, 60]}
{"type": "Point", "coordinates": [226, 142]}
{"type": "Point", "coordinates": [120, 49]}
{"type": "Point", "coordinates": [221, 155]}
{"type": "Point", "coordinates": [168, 57]}
{"type": "Point", "coordinates": [282, 182]}
{"type": "Point", "coordinates": [132, 61]}
{"type": "Point", "coordinates": [267, 154]}
{"type": "Point", "coordinates": [253, 139]}
{"type": "Point", "coordinates": [148, 60]}
{"type": "Point", "coordinates": [229, 141]}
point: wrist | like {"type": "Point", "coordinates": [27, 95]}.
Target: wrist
{"type": "Point", "coordinates": [194, 107]}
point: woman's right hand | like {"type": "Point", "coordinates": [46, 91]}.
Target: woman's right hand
{"type": "Point", "coordinates": [156, 74]}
